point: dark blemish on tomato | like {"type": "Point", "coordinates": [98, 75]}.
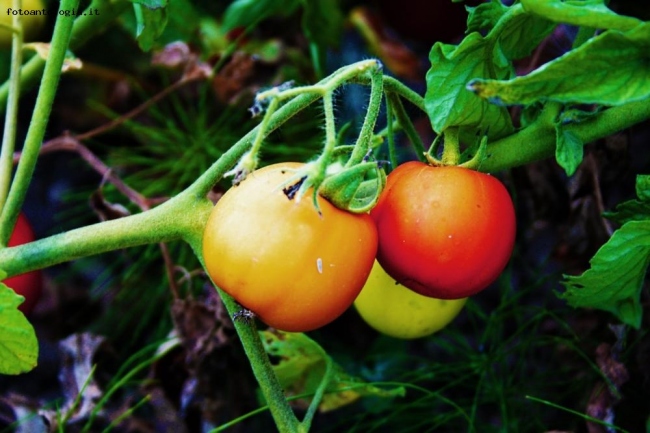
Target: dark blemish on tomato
{"type": "Point", "coordinates": [291, 190]}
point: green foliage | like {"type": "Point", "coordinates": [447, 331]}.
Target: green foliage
{"type": "Point", "coordinates": [302, 366]}
{"type": "Point", "coordinates": [585, 13]}
{"type": "Point", "coordinates": [634, 210]}
{"type": "Point", "coordinates": [615, 279]}
{"type": "Point", "coordinates": [151, 18]}
{"type": "Point", "coordinates": [18, 344]}
{"type": "Point", "coordinates": [322, 21]}
{"type": "Point", "coordinates": [609, 69]}
{"type": "Point", "coordinates": [568, 151]}
{"type": "Point", "coordinates": [244, 13]}
{"type": "Point", "coordinates": [513, 35]}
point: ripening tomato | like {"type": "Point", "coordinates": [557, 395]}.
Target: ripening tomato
{"type": "Point", "coordinates": [33, 19]}
{"type": "Point", "coordinates": [444, 232]}
{"type": "Point", "coordinates": [394, 310]}
{"type": "Point", "coordinates": [296, 269]}
{"type": "Point", "coordinates": [30, 284]}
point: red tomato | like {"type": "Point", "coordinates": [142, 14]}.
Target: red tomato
{"type": "Point", "coordinates": [30, 284]}
{"type": "Point", "coordinates": [444, 232]}
{"type": "Point", "coordinates": [296, 269]}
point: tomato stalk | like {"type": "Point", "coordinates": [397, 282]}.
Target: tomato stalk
{"type": "Point", "coordinates": [404, 121]}
{"type": "Point", "coordinates": [11, 117]}
{"type": "Point", "coordinates": [364, 140]}
{"type": "Point", "coordinates": [40, 116]}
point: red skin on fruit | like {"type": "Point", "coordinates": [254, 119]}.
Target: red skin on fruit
{"type": "Point", "coordinates": [29, 284]}
{"type": "Point", "coordinates": [444, 232]}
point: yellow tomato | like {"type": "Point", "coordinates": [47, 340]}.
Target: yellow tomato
{"type": "Point", "coordinates": [33, 19]}
{"type": "Point", "coordinates": [295, 268]}
{"type": "Point", "coordinates": [394, 310]}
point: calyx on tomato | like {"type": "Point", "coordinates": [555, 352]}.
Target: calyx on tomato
{"type": "Point", "coordinates": [445, 232]}
{"type": "Point", "coordinates": [354, 189]}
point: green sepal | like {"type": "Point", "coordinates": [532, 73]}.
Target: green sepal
{"type": "Point", "coordinates": [355, 189]}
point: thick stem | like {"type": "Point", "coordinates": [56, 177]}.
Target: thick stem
{"type": "Point", "coordinates": [451, 149]}
{"type": "Point", "coordinates": [182, 217]}
{"type": "Point", "coordinates": [40, 117]}
{"type": "Point", "coordinates": [537, 141]}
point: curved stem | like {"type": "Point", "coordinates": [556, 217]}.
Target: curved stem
{"type": "Point", "coordinates": [40, 116]}
{"type": "Point", "coordinates": [374, 106]}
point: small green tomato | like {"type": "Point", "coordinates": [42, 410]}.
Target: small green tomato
{"type": "Point", "coordinates": [394, 310]}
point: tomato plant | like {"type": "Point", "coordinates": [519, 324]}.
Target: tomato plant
{"type": "Point", "coordinates": [32, 24]}
{"type": "Point", "coordinates": [295, 268]}
{"type": "Point", "coordinates": [445, 232]}
{"type": "Point", "coordinates": [29, 284]}
{"type": "Point", "coordinates": [395, 310]}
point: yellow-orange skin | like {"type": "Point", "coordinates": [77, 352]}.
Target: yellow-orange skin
{"type": "Point", "coordinates": [394, 310]}
{"type": "Point", "coordinates": [297, 270]}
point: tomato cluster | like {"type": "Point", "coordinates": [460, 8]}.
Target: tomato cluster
{"type": "Point", "coordinates": [30, 284]}
{"type": "Point", "coordinates": [439, 234]}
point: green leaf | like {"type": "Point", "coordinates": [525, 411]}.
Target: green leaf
{"type": "Point", "coordinates": [634, 210]}
{"type": "Point", "coordinates": [243, 13]}
{"type": "Point", "coordinates": [615, 279]}
{"type": "Point", "coordinates": [485, 16]}
{"type": "Point", "coordinates": [585, 13]}
{"type": "Point", "coordinates": [610, 69]}
{"type": "Point", "coordinates": [448, 102]}
{"type": "Point", "coordinates": [643, 187]}
{"type": "Point", "coordinates": [568, 149]}
{"type": "Point", "coordinates": [151, 18]}
{"type": "Point", "coordinates": [18, 344]}
{"type": "Point", "coordinates": [322, 22]}
{"type": "Point", "coordinates": [301, 367]}
{"type": "Point", "coordinates": [518, 33]}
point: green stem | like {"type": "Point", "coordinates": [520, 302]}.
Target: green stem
{"type": "Point", "coordinates": [407, 125]}
{"type": "Point", "coordinates": [392, 151]}
{"type": "Point", "coordinates": [320, 391]}
{"type": "Point", "coordinates": [11, 118]}
{"type": "Point", "coordinates": [277, 402]}
{"type": "Point", "coordinates": [393, 86]}
{"type": "Point", "coordinates": [374, 106]}
{"type": "Point", "coordinates": [40, 116]}
{"type": "Point", "coordinates": [537, 141]}
{"type": "Point", "coordinates": [182, 217]}
{"type": "Point", "coordinates": [451, 149]}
